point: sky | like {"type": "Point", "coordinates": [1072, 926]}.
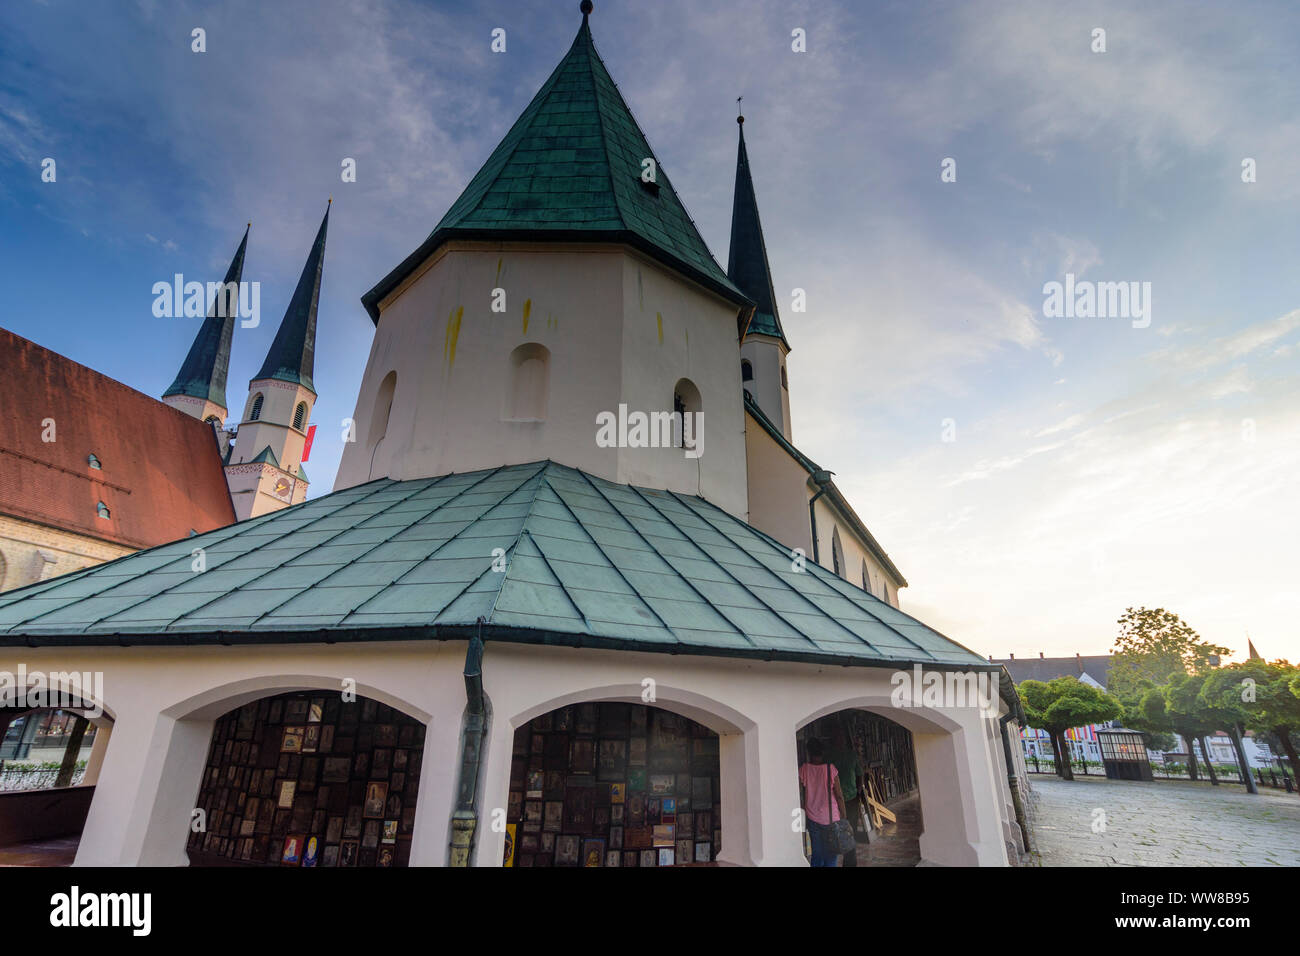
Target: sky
{"type": "Point", "coordinates": [1031, 475]}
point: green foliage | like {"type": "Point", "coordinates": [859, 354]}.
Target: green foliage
{"type": "Point", "coordinates": [1155, 645]}
{"type": "Point", "coordinates": [1066, 702]}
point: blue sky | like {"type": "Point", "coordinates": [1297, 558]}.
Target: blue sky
{"type": "Point", "coordinates": [1095, 465]}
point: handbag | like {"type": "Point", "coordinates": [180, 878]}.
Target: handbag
{"type": "Point", "coordinates": [841, 831]}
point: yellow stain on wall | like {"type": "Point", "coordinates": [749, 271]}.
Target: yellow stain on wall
{"type": "Point", "coordinates": [499, 261]}
{"type": "Point", "coordinates": [659, 317]}
{"type": "Point", "coordinates": [528, 308]}
{"type": "Point", "coordinates": [453, 333]}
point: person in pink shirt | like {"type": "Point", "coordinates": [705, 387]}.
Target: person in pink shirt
{"type": "Point", "coordinates": [818, 782]}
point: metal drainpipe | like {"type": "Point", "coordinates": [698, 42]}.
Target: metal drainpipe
{"type": "Point", "coordinates": [821, 479]}
{"type": "Point", "coordinates": [1013, 783]}
{"type": "Point", "coordinates": [474, 727]}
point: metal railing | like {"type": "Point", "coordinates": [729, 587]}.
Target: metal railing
{"type": "Point", "coordinates": [27, 778]}
{"type": "Point", "coordinates": [1225, 773]}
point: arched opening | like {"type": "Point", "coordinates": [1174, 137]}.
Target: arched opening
{"type": "Point", "coordinates": [53, 737]}
{"type": "Point", "coordinates": [873, 784]}
{"type": "Point", "coordinates": [101, 509]}
{"type": "Point", "coordinates": [310, 779]}
{"type": "Point", "coordinates": [746, 371]}
{"type": "Point", "coordinates": [93, 462]}
{"type": "Point", "coordinates": [379, 415]}
{"type": "Point", "coordinates": [837, 552]}
{"type": "Point", "coordinates": [866, 578]}
{"type": "Point", "coordinates": [687, 414]}
{"type": "Point", "coordinates": [613, 784]}
{"type": "Point", "coordinates": [529, 383]}
{"type": "Point", "coordinates": [255, 409]}
{"type": "Point", "coordinates": [300, 416]}
{"type": "Point", "coordinates": [213, 420]}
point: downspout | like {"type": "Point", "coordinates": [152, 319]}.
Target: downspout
{"type": "Point", "coordinates": [821, 479]}
{"type": "Point", "coordinates": [473, 731]}
{"type": "Point", "coordinates": [1013, 782]}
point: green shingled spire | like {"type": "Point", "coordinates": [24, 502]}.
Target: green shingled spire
{"type": "Point", "coordinates": [570, 170]}
{"type": "Point", "coordinates": [747, 259]}
{"type": "Point", "coordinates": [203, 373]}
{"type": "Point", "coordinates": [292, 354]}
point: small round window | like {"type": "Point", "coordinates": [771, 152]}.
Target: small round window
{"type": "Point", "coordinates": [93, 462]}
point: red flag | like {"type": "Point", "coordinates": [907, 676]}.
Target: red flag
{"type": "Point", "coordinates": [306, 448]}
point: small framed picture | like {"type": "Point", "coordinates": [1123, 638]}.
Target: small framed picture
{"type": "Point", "coordinates": [291, 741]}
{"type": "Point", "coordinates": [399, 759]}
{"type": "Point", "coordinates": [649, 858]}
{"type": "Point", "coordinates": [703, 852]}
{"type": "Point", "coordinates": [616, 838]}
{"type": "Point", "coordinates": [311, 852]}
{"type": "Point", "coordinates": [334, 830]}
{"type": "Point", "coordinates": [631, 858]}
{"type": "Point", "coordinates": [636, 751]}
{"type": "Point", "coordinates": [352, 823]}
{"type": "Point", "coordinates": [386, 735]}
{"type": "Point", "coordinates": [348, 853]}
{"type": "Point", "coordinates": [311, 739]}
{"type": "Point", "coordinates": [316, 709]}
{"type": "Point", "coordinates": [665, 834]}
{"type": "Point", "coordinates": [684, 851]}
{"type": "Point", "coordinates": [636, 779]}
{"type": "Point", "coordinates": [295, 710]}
{"type": "Point", "coordinates": [292, 851]}
{"type": "Point", "coordinates": [666, 857]}
{"type": "Point", "coordinates": [370, 835]}
{"type": "Point", "coordinates": [613, 858]}
{"type": "Point", "coordinates": [286, 793]}
{"type": "Point", "coordinates": [553, 816]}
{"type": "Point", "coordinates": [566, 849]}
{"type": "Point", "coordinates": [617, 793]}
{"type": "Point", "coordinates": [277, 709]}
{"type": "Point", "coordinates": [390, 831]}
{"type": "Point", "coordinates": [376, 798]}
{"type": "Point", "coordinates": [548, 842]}
{"type": "Point", "coordinates": [661, 783]}
{"type": "Point", "coordinates": [330, 857]}
{"type": "Point", "coordinates": [593, 852]}
{"type": "Point", "coordinates": [616, 814]}
{"type": "Point", "coordinates": [380, 762]}
{"type": "Point", "coordinates": [336, 770]}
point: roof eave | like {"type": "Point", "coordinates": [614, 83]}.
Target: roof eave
{"type": "Point", "coordinates": [397, 276]}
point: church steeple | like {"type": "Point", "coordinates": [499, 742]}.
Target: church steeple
{"type": "Point", "coordinates": [291, 357]}
{"type": "Point", "coordinates": [747, 264]}
{"type": "Point", "coordinates": [263, 467]}
{"type": "Point", "coordinates": [200, 386]}
{"type": "Point", "coordinates": [763, 347]}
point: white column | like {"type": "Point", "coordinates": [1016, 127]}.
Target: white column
{"type": "Point", "coordinates": [963, 826]}
{"type": "Point", "coordinates": [494, 779]}
{"type": "Point", "coordinates": [772, 772]}
{"type": "Point", "coordinates": [145, 797]}
{"type": "Point", "coordinates": [438, 778]}
{"type": "Point", "coordinates": [95, 762]}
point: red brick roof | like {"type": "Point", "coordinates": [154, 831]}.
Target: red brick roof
{"type": "Point", "coordinates": [161, 473]}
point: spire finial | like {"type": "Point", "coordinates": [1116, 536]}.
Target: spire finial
{"type": "Point", "coordinates": [330, 201]}
{"type": "Point", "coordinates": [586, 8]}
{"type": "Point", "coordinates": [740, 117]}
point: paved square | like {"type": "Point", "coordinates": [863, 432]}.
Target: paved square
{"type": "Point", "coordinates": [1163, 823]}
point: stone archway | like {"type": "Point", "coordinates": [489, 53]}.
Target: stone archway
{"type": "Point", "coordinates": [955, 769]}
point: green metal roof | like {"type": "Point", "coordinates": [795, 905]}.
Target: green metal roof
{"type": "Point", "coordinates": [265, 455]}
{"type": "Point", "coordinates": [747, 263]}
{"type": "Point", "coordinates": [207, 364]}
{"type": "Point", "coordinates": [292, 356]}
{"type": "Point", "coordinates": [587, 562]}
{"type": "Point", "coordinates": [570, 170]}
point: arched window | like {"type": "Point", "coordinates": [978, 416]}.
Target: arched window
{"type": "Point", "coordinates": [93, 462]}
{"type": "Point", "coordinates": [530, 373]}
{"type": "Point", "coordinates": [101, 509]}
{"type": "Point", "coordinates": [213, 420]}
{"type": "Point", "coordinates": [687, 414]}
{"type": "Point", "coordinates": [300, 416]}
{"type": "Point", "coordinates": [746, 371]}
{"type": "Point", "coordinates": [3, 569]}
{"type": "Point", "coordinates": [837, 552]}
{"type": "Point", "coordinates": [866, 578]}
{"type": "Point", "coordinates": [255, 410]}
{"type": "Point", "coordinates": [784, 382]}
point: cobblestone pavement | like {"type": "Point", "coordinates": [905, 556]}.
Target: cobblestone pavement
{"type": "Point", "coordinates": [1164, 823]}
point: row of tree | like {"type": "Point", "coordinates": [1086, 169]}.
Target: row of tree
{"type": "Point", "coordinates": [1164, 680]}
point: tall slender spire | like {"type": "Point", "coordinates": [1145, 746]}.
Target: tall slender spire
{"type": "Point", "coordinates": [747, 264]}
{"type": "Point", "coordinates": [203, 373]}
{"type": "Point", "coordinates": [291, 357]}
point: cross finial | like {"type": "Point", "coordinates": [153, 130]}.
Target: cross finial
{"type": "Point", "coordinates": [740, 117]}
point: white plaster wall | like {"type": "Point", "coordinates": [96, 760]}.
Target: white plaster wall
{"type": "Point", "coordinates": [594, 308]}
{"type": "Point", "coordinates": [164, 702]}
{"type": "Point", "coordinates": [767, 356]}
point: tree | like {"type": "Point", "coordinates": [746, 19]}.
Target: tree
{"type": "Point", "coordinates": [1153, 646]}
{"type": "Point", "coordinates": [1223, 694]}
{"type": "Point", "coordinates": [1149, 714]}
{"type": "Point", "coordinates": [1275, 707]}
{"type": "Point", "coordinates": [1190, 716]}
{"type": "Point", "coordinates": [1060, 704]}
